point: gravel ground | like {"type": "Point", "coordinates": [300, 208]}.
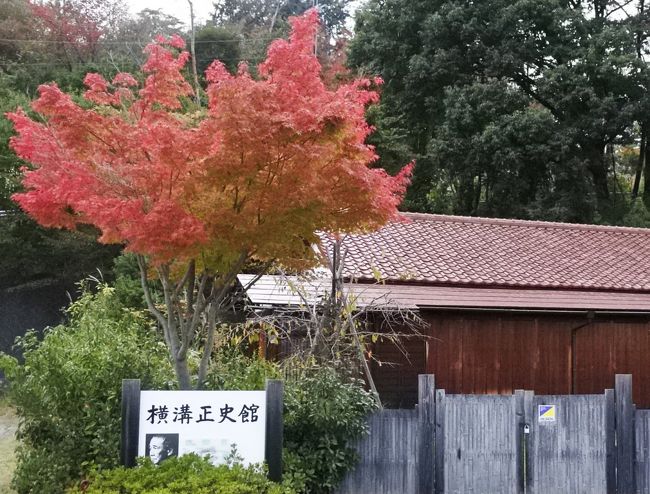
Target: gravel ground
{"type": "Point", "coordinates": [8, 424]}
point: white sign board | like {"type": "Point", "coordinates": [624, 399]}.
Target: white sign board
{"type": "Point", "coordinates": [174, 423]}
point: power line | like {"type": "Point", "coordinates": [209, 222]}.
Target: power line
{"type": "Point", "coordinates": [139, 42]}
{"type": "Point", "coordinates": [64, 63]}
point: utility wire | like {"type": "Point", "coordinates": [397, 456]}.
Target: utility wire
{"type": "Point", "coordinates": [139, 42]}
{"type": "Point", "coordinates": [63, 63]}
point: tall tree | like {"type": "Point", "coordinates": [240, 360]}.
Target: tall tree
{"type": "Point", "coordinates": [73, 28]}
{"type": "Point", "coordinates": [577, 61]}
{"type": "Point", "coordinates": [218, 43]}
{"type": "Point", "coordinates": [272, 14]}
{"type": "Point", "coordinates": [198, 194]}
{"type": "Point", "coordinates": [125, 43]}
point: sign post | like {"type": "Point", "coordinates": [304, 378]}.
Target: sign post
{"type": "Point", "coordinates": [130, 417]}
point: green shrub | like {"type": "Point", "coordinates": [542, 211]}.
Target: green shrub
{"type": "Point", "coordinates": [67, 392]}
{"type": "Point", "coordinates": [324, 413]}
{"type": "Point", "coordinates": [232, 370]}
{"type": "Point", "coordinates": [188, 474]}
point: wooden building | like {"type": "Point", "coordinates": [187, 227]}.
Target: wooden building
{"type": "Point", "coordinates": [510, 304]}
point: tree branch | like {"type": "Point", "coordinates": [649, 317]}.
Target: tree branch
{"type": "Point", "coordinates": [142, 263]}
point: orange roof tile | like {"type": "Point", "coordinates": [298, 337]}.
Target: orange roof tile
{"type": "Point", "coordinates": [462, 251]}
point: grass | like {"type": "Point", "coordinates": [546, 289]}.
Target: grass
{"type": "Point", "coordinates": [8, 423]}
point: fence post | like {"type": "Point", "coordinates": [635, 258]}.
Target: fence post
{"type": "Point", "coordinates": [426, 434]}
{"type": "Point", "coordinates": [610, 440]}
{"type": "Point", "coordinates": [624, 434]}
{"type": "Point", "coordinates": [523, 406]}
{"type": "Point", "coordinates": [529, 416]}
{"type": "Point", "coordinates": [439, 448]}
{"type": "Point", "coordinates": [524, 411]}
{"type": "Point", "coordinates": [130, 421]}
{"type": "Point", "coordinates": [274, 428]}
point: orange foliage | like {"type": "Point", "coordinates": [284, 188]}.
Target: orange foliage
{"type": "Point", "coordinates": [270, 162]}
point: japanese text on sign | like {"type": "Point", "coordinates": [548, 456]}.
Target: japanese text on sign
{"type": "Point", "coordinates": [173, 423]}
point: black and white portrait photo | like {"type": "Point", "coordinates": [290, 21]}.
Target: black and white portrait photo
{"type": "Point", "coordinates": [161, 446]}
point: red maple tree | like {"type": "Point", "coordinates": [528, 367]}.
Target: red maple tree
{"type": "Point", "coordinates": [71, 30]}
{"type": "Point", "coordinates": [197, 194]}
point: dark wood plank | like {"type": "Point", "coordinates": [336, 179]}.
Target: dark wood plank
{"type": "Point", "coordinates": [130, 421]}
{"type": "Point", "coordinates": [439, 448]}
{"type": "Point", "coordinates": [274, 428]}
{"type": "Point", "coordinates": [624, 434]}
{"type": "Point", "coordinates": [427, 430]}
{"type": "Point", "coordinates": [610, 424]}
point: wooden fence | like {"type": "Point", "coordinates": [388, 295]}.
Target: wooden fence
{"type": "Point", "coordinates": [520, 443]}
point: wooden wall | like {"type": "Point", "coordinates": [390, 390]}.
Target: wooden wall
{"type": "Point", "coordinates": [614, 346]}
{"type": "Point", "coordinates": [396, 373]}
{"type": "Point", "coordinates": [497, 353]}
{"type": "Point", "coordinates": [488, 353]}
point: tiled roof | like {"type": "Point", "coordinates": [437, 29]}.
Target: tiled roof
{"type": "Point", "coordinates": [461, 251]}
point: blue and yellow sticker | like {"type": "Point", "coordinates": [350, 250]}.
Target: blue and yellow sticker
{"type": "Point", "coordinates": [546, 413]}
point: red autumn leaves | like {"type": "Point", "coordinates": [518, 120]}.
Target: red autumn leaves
{"type": "Point", "coordinates": [272, 160]}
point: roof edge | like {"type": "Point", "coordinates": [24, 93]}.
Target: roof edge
{"type": "Point", "coordinates": [526, 223]}
{"type": "Point", "coordinates": [494, 286]}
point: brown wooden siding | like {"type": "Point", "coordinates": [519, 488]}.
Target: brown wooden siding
{"type": "Point", "coordinates": [614, 346]}
{"type": "Point", "coordinates": [396, 373]}
{"type": "Point", "coordinates": [496, 353]}
{"type": "Point", "coordinates": [492, 353]}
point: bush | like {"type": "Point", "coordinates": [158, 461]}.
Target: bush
{"type": "Point", "coordinates": [184, 475]}
{"type": "Point", "coordinates": [324, 413]}
{"type": "Point", "coordinates": [67, 392]}
{"type": "Point", "coordinates": [232, 370]}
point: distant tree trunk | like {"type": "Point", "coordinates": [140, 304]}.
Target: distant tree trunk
{"type": "Point", "coordinates": [641, 161]}
{"type": "Point", "coordinates": [466, 196]}
{"type": "Point", "coordinates": [646, 174]}
{"type": "Point", "coordinates": [477, 194]}
{"type": "Point", "coordinates": [597, 166]}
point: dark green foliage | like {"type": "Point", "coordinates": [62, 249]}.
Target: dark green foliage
{"type": "Point", "coordinates": [218, 43]}
{"type": "Point", "coordinates": [638, 215]}
{"type": "Point", "coordinates": [188, 474]}
{"type": "Point", "coordinates": [323, 414]}
{"type": "Point", "coordinates": [128, 285]}
{"type": "Point", "coordinates": [232, 370]}
{"type": "Point", "coordinates": [508, 106]}
{"type": "Point", "coordinates": [9, 162]}
{"type": "Point", "coordinates": [67, 392]}
{"type": "Point", "coordinates": [31, 253]}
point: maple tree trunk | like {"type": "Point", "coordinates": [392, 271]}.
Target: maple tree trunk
{"type": "Point", "coordinates": [182, 373]}
{"type": "Point", "coordinates": [183, 318]}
